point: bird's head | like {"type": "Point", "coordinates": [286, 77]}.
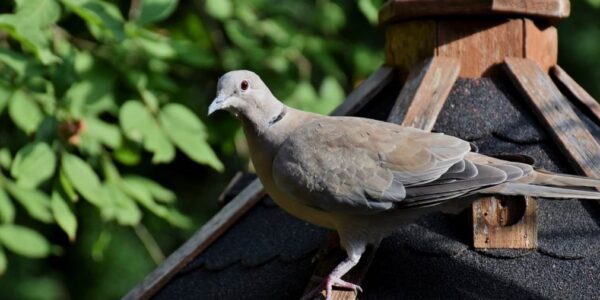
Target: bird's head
{"type": "Point", "coordinates": [246, 96]}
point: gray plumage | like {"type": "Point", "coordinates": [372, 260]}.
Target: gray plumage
{"type": "Point", "coordinates": [364, 177]}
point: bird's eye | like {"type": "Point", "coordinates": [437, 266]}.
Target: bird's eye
{"type": "Point", "coordinates": [244, 85]}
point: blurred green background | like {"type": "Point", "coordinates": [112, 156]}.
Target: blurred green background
{"type": "Point", "coordinates": [107, 159]}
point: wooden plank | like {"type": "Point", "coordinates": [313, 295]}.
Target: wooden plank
{"type": "Point", "coordinates": [541, 44]}
{"type": "Point", "coordinates": [577, 92]}
{"type": "Point", "coordinates": [397, 10]}
{"type": "Point", "coordinates": [212, 230]}
{"type": "Point", "coordinates": [553, 109]}
{"type": "Point", "coordinates": [365, 92]}
{"type": "Point", "coordinates": [242, 203]}
{"type": "Point", "coordinates": [425, 92]}
{"type": "Point", "coordinates": [505, 222]}
{"type": "Point", "coordinates": [480, 45]}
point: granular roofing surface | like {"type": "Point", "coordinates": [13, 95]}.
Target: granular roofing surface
{"type": "Point", "coordinates": [268, 254]}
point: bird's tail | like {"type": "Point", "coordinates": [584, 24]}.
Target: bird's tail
{"type": "Point", "coordinates": [540, 183]}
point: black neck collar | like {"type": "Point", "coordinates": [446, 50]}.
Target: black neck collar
{"type": "Point", "coordinates": [278, 117]}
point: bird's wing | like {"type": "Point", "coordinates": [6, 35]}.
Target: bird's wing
{"type": "Point", "coordinates": [354, 165]}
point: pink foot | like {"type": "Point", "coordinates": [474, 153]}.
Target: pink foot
{"type": "Point", "coordinates": [328, 284]}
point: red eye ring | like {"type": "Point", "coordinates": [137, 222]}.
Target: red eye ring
{"type": "Point", "coordinates": [244, 85]}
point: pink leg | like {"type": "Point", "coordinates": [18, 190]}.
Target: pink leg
{"type": "Point", "coordinates": [335, 278]}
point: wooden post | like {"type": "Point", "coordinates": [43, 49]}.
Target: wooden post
{"type": "Point", "coordinates": [494, 30]}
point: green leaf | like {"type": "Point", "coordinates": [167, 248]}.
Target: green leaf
{"type": "Point", "coordinates": [124, 209]}
{"type": "Point", "coordinates": [5, 158]}
{"type": "Point", "coordinates": [128, 154]}
{"type": "Point", "coordinates": [187, 132]}
{"type": "Point", "coordinates": [91, 95]}
{"type": "Point", "coordinates": [63, 214]}
{"type": "Point", "coordinates": [39, 12]}
{"type": "Point", "coordinates": [7, 209]}
{"type": "Point", "coordinates": [331, 90]}
{"type": "Point", "coordinates": [155, 10]}
{"type": "Point", "coordinates": [368, 8]}
{"type": "Point", "coordinates": [141, 194]}
{"type": "Point", "coordinates": [3, 261]}
{"type": "Point", "coordinates": [21, 64]}
{"type": "Point", "coordinates": [144, 187]}
{"type": "Point", "coordinates": [219, 9]}
{"type": "Point", "coordinates": [66, 186]}
{"type": "Point", "coordinates": [36, 203]}
{"type": "Point", "coordinates": [24, 241]}
{"type": "Point", "coordinates": [139, 125]}
{"type": "Point", "coordinates": [103, 19]}
{"type": "Point", "coordinates": [24, 111]}
{"type": "Point", "coordinates": [108, 134]}
{"type": "Point", "coordinates": [84, 179]}
{"type": "Point", "coordinates": [33, 164]}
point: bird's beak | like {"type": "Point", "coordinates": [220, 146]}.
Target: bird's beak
{"type": "Point", "coordinates": [216, 104]}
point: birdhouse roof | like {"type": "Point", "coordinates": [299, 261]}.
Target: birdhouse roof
{"type": "Point", "coordinates": [269, 254]}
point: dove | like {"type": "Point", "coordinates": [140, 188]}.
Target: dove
{"type": "Point", "coordinates": [364, 178]}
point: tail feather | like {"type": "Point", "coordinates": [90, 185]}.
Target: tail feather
{"type": "Point", "coordinates": [547, 178]}
{"type": "Point", "coordinates": [524, 189]}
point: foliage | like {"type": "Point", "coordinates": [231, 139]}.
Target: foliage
{"type": "Point", "coordinates": [96, 96]}
{"type": "Point", "coordinates": [103, 135]}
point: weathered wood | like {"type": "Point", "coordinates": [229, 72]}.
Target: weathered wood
{"type": "Point", "coordinates": [481, 45]}
{"type": "Point", "coordinates": [505, 222]}
{"type": "Point", "coordinates": [425, 92]}
{"type": "Point", "coordinates": [553, 109]}
{"type": "Point", "coordinates": [365, 92]}
{"type": "Point", "coordinates": [397, 10]}
{"type": "Point", "coordinates": [577, 92]}
{"type": "Point", "coordinates": [229, 186]}
{"type": "Point", "coordinates": [212, 230]}
{"type": "Point", "coordinates": [541, 44]}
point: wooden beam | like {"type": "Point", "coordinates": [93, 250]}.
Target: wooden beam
{"type": "Point", "coordinates": [577, 92]}
{"type": "Point", "coordinates": [505, 222]}
{"type": "Point", "coordinates": [242, 203]}
{"type": "Point", "coordinates": [481, 45]}
{"type": "Point", "coordinates": [365, 92]}
{"type": "Point", "coordinates": [207, 234]}
{"type": "Point", "coordinates": [541, 43]}
{"type": "Point", "coordinates": [552, 109]}
{"type": "Point", "coordinates": [397, 10]}
{"type": "Point", "coordinates": [425, 92]}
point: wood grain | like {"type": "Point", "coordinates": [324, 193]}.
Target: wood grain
{"type": "Point", "coordinates": [541, 44]}
{"type": "Point", "coordinates": [505, 222]}
{"type": "Point", "coordinates": [481, 45]}
{"type": "Point", "coordinates": [552, 109]}
{"type": "Point", "coordinates": [577, 92]}
{"type": "Point", "coordinates": [425, 92]}
{"type": "Point", "coordinates": [365, 92]}
{"type": "Point", "coordinates": [397, 10]}
{"type": "Point", "coordinates": [207, 234]}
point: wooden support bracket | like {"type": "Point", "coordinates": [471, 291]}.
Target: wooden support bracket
{"type": "Point", "coordinates": [424, 93]}
{"type": "Point", "coordinates": [553, 109]}
{"type": "Point", "coordinates": [505, 222]}
{"type": "Point", "coordinates": [582, 97]}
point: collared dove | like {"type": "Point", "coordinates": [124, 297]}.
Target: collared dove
{"type": "Point", "coordinates": [364, 178]}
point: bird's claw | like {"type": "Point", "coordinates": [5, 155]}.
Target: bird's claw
{"type": "Point", "coordinates": [328, 284]}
